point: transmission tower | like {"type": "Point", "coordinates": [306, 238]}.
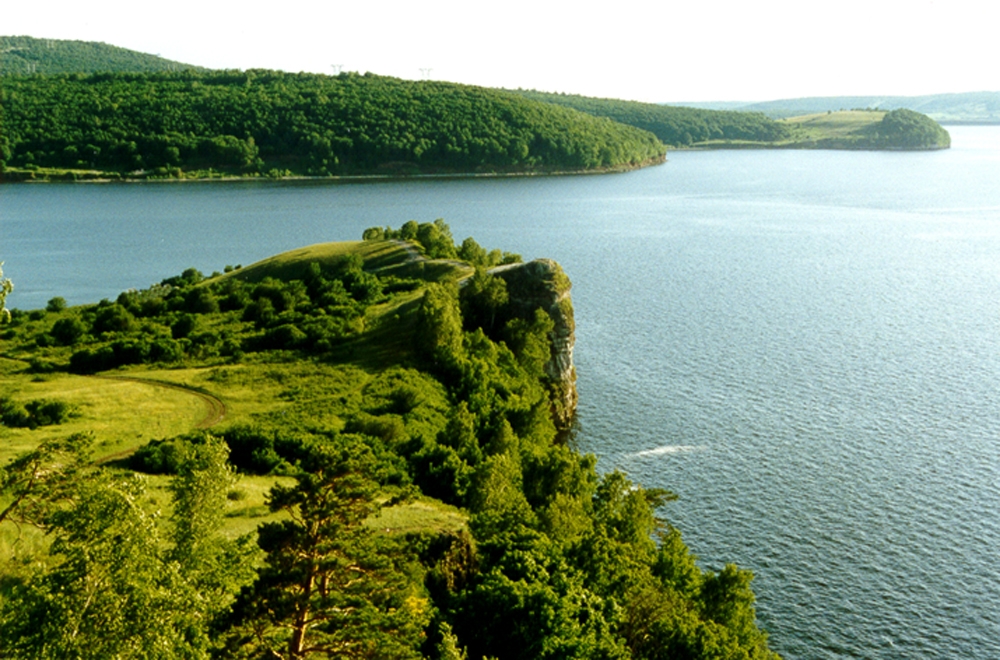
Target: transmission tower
{"type": "Point", "coordinates": [425, 74]}
{"type": "Point", "coordinates": [337, 68]}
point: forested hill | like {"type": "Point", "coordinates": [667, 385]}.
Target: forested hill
{"type": "Point", "coordinates": [26, 55]}
{"type": "Point", "coordinates": [280, 124]}
{"type": "Point", "coordinates": [674, 126]}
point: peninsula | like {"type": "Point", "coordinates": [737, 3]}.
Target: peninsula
{"type": "Point", "coordinates": [347, 446]}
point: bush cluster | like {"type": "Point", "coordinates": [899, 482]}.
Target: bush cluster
{"type": "Point", "coordinates": [34, 413]}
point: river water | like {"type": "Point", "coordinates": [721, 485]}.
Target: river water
{"type": "Point", "coordinates": [802, 345]}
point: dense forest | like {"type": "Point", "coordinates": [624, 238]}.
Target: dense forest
{"type": "Point", "coordinates": [421, 502]}
{"type": "Point", "coordinates": [279, 124]}
{"type": "Point", "coordinates": [674, 126]}
{"type": "Point", "coordinates": [25, 55]}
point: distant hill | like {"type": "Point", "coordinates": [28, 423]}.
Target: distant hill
{"type": "Point", "coordinates": [963, 108]}
{"type": "Point", "coordinates": [674, 126]}
{"type": "Point", "coordinates": [270, 123]}
{"type": "Point", "coordinates": [705, 128]}
{"type": "Point", "coordinates": [27, 55]}
{"type": "Point", "coordinates": [895, 130]}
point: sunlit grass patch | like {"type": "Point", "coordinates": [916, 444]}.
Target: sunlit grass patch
{"type": "Point", "coordinates": [833, 124]}
{"type": "Point", "coordinates": [423, 515]}
{"type": "Point", "coordinates": [121, 414]}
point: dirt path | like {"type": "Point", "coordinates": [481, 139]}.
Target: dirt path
{"type": "Point", "coordinates": [215, 409]}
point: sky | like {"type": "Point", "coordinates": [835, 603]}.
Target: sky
{"type": "Point", "coordinates": [663, 51]}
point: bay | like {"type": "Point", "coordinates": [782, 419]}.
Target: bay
{"type": "Point", "coordinates": [802, 345]}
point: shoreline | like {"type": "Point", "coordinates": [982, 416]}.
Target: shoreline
{"type": "Point", "coordinates": [66, 177]}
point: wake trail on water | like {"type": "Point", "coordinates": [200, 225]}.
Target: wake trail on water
{"type": "Point", "coordinates": [666, 449]}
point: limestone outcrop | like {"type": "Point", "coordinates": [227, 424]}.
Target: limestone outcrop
{"type": "Point", "coordinates": [543, 284]}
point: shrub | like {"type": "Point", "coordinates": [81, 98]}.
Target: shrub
{"type": "Point", "coordinates": [57, 304]}
{"type": "Point", "coordinates": [68, 331]}
{"type": "Point", "coordinates": [35, 413]}
{"type": "Point", "coordinates": [113, 318]}
{"type": "Point", "coordinates": [161, 456]}
{"type": "Point", "coordinates": [256, 451]}
{"type": "Point", "coordinates": [183, 326]}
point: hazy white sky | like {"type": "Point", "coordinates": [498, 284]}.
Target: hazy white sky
{"type": "Point", "coordinates": [665, 51]}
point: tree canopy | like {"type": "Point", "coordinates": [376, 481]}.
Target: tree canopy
{"type": "Point", "coordinates": [28, 55]}
{"type": "Point", "coordinates": [673, 125]}
{"type": "Point", "coordinates": [272, 123]}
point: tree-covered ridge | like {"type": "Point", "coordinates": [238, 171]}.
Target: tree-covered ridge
{"type": "Point", "coordinates": [28, 55]}
{"type": "Point", "coordinates": [674, 126]}
{"type": "Point", "coordinates": [279, 124]}
{"type": "Point", "coordinates": [550, 559]}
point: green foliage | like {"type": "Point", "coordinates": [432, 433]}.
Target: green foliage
{"type": "Point", "coordinates": [35, 413]}
{"type": "Point", "coordinates": [6, 286]}
{"type": "Point", "coordinates": [439, 325]}
{"type": "Point", "coordinates": [68, 331]}
{"type": "Point", "coordinates": [448, 646]}
{"type": "Point", "coordinates": [108, 589]}
{"type": "Point", "coordinates": [249, 449]}
{"type": "Point", "coordinates": [329, 586]}
{"type": "Point", "coordinates": [255, 122]}
{"type": "Point", "coordinates": [544, 559]}
{"type": "Point", "coordinates": [56, 304]}
{"type": "Point", "coordinates": [530, 341]}
{"type": "Point", "coordinates": [674, 126]}
{"type": "Point", "coordinates": [37, 481]}
{"type": "Point", "coordinates": [906, 129]}
{"type": "Point", "coordinates": [868, 129]}
{"type": "Point", "coordinates": [27, 55]}
{"type": "Point", "coordinates": [482, 299]}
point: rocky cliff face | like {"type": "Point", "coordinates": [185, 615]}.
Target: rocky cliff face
{"type": "Point", "coordinates": [543, 284]}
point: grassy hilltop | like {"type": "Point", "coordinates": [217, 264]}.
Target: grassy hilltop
{"type": "Point", "coordinates": [347, 449]}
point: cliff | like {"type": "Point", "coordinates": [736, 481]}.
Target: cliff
{"type": "Point", "coordinates": [543, 284]}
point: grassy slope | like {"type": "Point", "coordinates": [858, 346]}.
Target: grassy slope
{"type": "Point", "coordinates": [125, 414]}
{"type": "Point", "coordinates": [832, 125]}
{"type": "Point", "coordinates": [811, 128]}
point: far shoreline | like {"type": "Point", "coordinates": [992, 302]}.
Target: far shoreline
{"type": "Point", "coordinates": [78, 176]}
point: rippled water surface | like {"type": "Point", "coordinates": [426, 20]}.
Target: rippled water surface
{"type": "Point", "coordinates": [805, 346]}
